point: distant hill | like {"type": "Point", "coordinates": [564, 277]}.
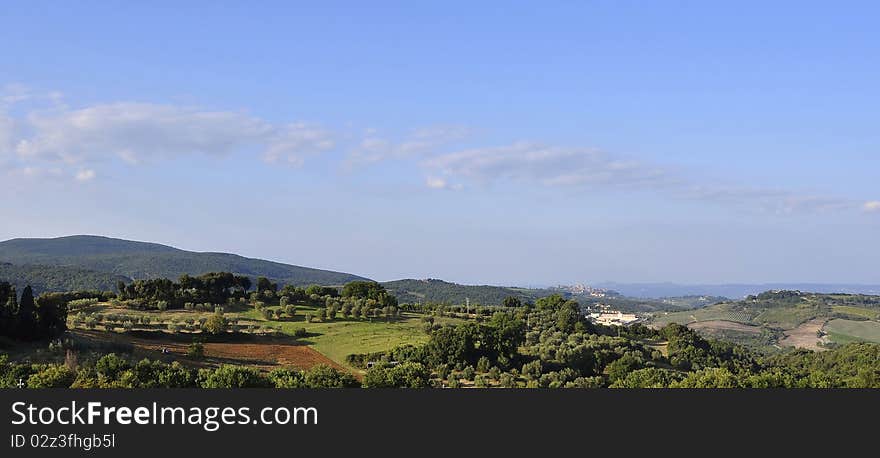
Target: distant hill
{"type": "Point", "coordinates": [774, 319]}
{"type": "Point", "coordinates": [137, 260]}
{"type": "Point", "coordinates": [57, 278]}
{"type": "Point", "coordinates": [442, 292]}
{"type": "Point", "coordinates": [733, 290]}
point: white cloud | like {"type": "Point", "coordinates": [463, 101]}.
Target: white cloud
{"type": "Point", "coordinates": [435, 183]}
{"type": "Point", "coordinates": [550, 166]}
{"type": "Point", "coordinates": [422, 141]}
{"type": "Point", "coordinates": [14, 93]}
{"type": "Point", "coordinates": [85, 175]}
{"type": "Point", "coordinates": [535, 164]}
{"type": "Point", "coordinates": [440, 183]}
{"type": "Point", "coordinates": [6, 133]}
{"type": "Point", "coordinates": [143, 132]}
{"type": "Point", "coordinates": [32, 172]}
{"type": "Point", "coordinates": [61, 141]}
{"type": "Point", "coordinates": [294, 142]}
{"type": "Point", "coordinates": [136, 132]}
{"type": "Point", "coordinates": [442, 134]}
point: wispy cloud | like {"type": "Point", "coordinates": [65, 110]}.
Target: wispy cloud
{"type": "Point", "coordinates": [422, 141]}
{"type": "Point", "coordinates": [528, 163]}
{"type": "Point", "coordinates": [7, 124]}
{"type": "Point", "coordinates": [136, 132]}
{"type": "Point", "coordinates": [16, 93]}
{"type": "Point", "coordinates": [294, 142]}
{"type": "Point", "coordinates": [55, 139]}
{"type": "Point", "coordinates": [549, 166]}
{"type": "Point", "coordinates": [440, 183]}
{"type": "Point", "coordinates": [145, 132]}
{"type": "Point", "coordinates": [139, 132]}
{"type": "Point", "coordinates": [85, 175]}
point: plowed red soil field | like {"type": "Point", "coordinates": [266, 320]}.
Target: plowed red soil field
{"type": "Point", "coordinates": [265, 353]}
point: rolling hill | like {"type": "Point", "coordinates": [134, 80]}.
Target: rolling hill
{"type": "Point", "coordinates": [780, 318]}
{"type": "Point", "coordinates": [443, 292]}
{"type": "Point", "coordinates": [137, 260]}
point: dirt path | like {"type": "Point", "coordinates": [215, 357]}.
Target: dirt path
{"type": "Point", "coordinates": [805, 336]}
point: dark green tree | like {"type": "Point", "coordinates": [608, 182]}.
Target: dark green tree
{"type": "Point", "coordinates": [512, 301]}
{"type": "Point", "coordinates": [26, 322]}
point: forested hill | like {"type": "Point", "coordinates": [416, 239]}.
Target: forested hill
{"type": "Point", "coordinates": [137, 260]}
{"type": "Point", "coordinates": [442, 292]}
{"type": "Point", "coordinates": [57, 278]}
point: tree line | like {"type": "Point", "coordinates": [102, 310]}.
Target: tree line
{"type": "Point", "coordinates": [115, 371]}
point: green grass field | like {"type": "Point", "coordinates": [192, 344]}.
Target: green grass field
{"type": "Point", "coordinates": [341, 337]}
{"type": "Point", "coordinates": [846, 331]}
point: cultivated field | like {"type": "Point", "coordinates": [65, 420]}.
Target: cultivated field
{"type": "Point", "coordinates": [846, 331]}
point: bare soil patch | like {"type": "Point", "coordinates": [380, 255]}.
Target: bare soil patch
{"type": "Point", "coordinates": [806, 335]}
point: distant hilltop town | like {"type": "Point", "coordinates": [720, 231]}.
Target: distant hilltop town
{"type": "Point", "coordinates": [585, 290]}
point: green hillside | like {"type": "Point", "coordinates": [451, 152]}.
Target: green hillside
{"type": "Point", "coordinates": [57, 278]}
{"type": "Point", "coordinates": [139, 260]}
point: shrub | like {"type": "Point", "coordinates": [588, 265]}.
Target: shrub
{"type": "Point", "coordinates": [288, 378]}
{"type": "Point", "coordinates": [507, 381]}
{"type": "Point", "coordinates": [196, 350]}
{"type": "Point", "coordinates": [468, 373]}
{"type": "Point", "coordinates": [216, 324]}
{"type": "Point", "coordinates": [323, 376]}
{"type": "Point", "coordinates": [228, 376]}
{"type": "Point", "coordinates": [52, 377]}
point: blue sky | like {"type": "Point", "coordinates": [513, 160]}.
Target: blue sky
{"type": "Point", "coordinates": [507, 143]}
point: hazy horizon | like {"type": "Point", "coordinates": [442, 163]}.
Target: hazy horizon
{"type": "Point", "coordinates": [516, 145]}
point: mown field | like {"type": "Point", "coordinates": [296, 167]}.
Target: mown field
{"type": "Point", "coordinates": [856, 311]}
{"type": "Point", "coordinates": [341, 337]}
{"type": "Point", "coordinates": [846, 331]}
